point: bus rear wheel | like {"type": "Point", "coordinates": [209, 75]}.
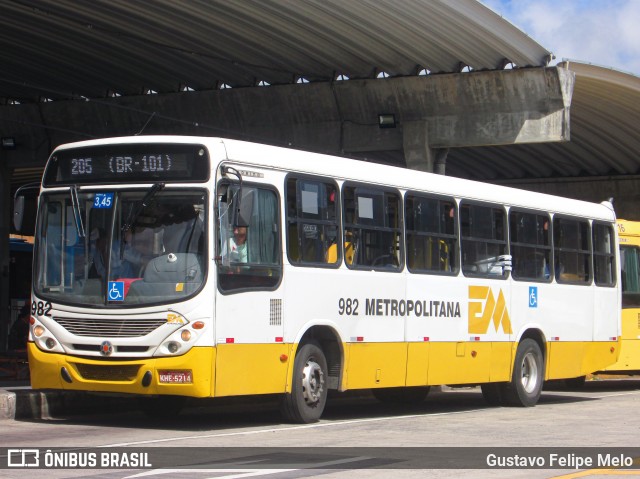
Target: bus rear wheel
{"type": "Point", "coordinates": [528, 374]}
{"type": "Point", "coordinates": [308, 396]}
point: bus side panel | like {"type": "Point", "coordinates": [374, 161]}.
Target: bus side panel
{"type": "Point", "coordinates": [252, 355]}
{"type": "Point", "coordinates": [599, 355]}
{"type": "Point", "coordinates": [417, 363]}
{"type": "Point", "coordinates": [459, 362]}
{"type": "Point", "coordinates": [606, 308]}
{"type": "Point", "coordinates": [420, 356]}
{"type": "Point", "coordinates": [501, 361]}
{"type": "Point", "coordinates": [574, 359]}
{"type": "Point", "coordinates": [631, 325]}
{"type": "Point", "coordinates": [243, 369]}
{"type": "Point", "coordinates": [629, 359]}
{"type": "Point", "coordinates": [565, 359]}
{"type": "Point", "coordinates": [376, 365]}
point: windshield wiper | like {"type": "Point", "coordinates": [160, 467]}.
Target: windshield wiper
{"type": "Point", "coordinates": [134, 213]}
{"type": "Point", "coordinates": [77, 214]}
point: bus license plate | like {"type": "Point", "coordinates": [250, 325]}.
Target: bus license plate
{"type": "Point", "coordinates": [175, 377]}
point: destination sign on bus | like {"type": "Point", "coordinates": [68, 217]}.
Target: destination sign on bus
{"type": "Point", "coordinates": [135, 163]}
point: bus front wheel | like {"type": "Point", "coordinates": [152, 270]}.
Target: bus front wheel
{"type": "Point", "coordinates": [308, 396]}
{"type": "Point", "coordinates": [528, 374]}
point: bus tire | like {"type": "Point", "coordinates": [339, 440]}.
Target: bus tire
{"type": "Point", "coordinates": [401, 395]}
{"type": "Point", "coordinates": [308, 396]}
{"type": "Point", "coordinates": [528, 374]}
{"type": "Point", "coordinates": [493, 393]}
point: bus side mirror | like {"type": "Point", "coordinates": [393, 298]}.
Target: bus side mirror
{"type": "Point", "coordinates": [24, 210]}
{"type": "Point", "coordinates": [242, 212]}
{"type": "Point", "coordinates": [18, 212]}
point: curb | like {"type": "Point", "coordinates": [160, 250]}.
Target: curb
{"type": "Point", "coordinates": [29, 404]}
{"type": "Point", "coordinates": [7, 404]}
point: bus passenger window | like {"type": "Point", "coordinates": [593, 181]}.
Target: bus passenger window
{"type": "Point", "coordinates": [312, 222]}
{"type": "Point", "coordinates": [431, 240]}
{"type": "Point", "coordinates": [604, 260]}
{"type": "Point", "coordinates": [572, 256]}
{"type": "Point", "coordinates": [484, 245]}
{"type": "Point", "coordinates": [372, 228]}
{"type": "Point", "coordinates": [530, 246]}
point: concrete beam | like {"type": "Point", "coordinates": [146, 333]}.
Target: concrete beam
{"type": "Point", "coordinates": [418, 155]}
{"type": "Point", "coordinates": [466, 109]}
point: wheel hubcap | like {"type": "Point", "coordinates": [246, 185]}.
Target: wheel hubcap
{"type": "Point", "coordinates": [312, 382]}
{"type": "Point", "coordinates": [529, 373]}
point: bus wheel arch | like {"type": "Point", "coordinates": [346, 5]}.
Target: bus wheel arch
{"type": "Point", "coordinates": [528, 373]}
{"type": "Point", "coordinates": [316, 369]}
{"type": "Point", "coordinates": [332, 347]}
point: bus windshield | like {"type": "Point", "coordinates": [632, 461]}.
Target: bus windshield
{"type": "Point", "coordinates": [113, 248]}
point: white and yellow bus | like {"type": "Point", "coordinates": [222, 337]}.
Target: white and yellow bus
{"type": "Point", "coordinates": [629, 360]}
{"type": "Point", "coordinates": [205, 267]}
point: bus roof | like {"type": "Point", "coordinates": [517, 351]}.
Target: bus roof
{"type": "Point", "coordinates": [290, 159]}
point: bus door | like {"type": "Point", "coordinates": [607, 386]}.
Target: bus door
{"type": "Point", "coordinates": [573, 298]}
{"type": "Point", "coordinates": [251, 353]}
{"type": "Point", "coordinates": [486, 263]}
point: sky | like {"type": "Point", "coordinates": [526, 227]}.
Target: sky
{"type": "Point", "coordinates": [602, 32]}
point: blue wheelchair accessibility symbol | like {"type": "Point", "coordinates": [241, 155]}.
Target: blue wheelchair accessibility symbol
{"type": "Point", "coordinates": [533, 296]}
{"type": "Point", "coordinates": [116, 290]}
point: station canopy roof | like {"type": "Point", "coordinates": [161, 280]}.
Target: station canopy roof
{"type": "Point", "coordinates": [62, 49]}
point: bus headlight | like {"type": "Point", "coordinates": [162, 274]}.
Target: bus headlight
{"type": "Point", "coordinates": [181, 340]}
{"type": "Point", "coordinates": [43, 338]}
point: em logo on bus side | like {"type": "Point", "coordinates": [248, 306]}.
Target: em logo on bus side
{"type": "Point", "coordinates": [483, 308]}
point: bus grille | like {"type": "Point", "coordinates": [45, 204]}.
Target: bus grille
{"type": "Point", "coordinates": [110, 328]}
{"type": "Point", "coordinates": [107, 372]}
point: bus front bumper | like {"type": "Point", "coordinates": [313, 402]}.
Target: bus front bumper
{"type": "Point", "coordinates": [190, 374]}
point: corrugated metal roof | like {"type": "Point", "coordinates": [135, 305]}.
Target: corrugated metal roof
{"type": "Point", "coordinates": [68, 48]}
{"type": "Point", "coordinates": [65, 48]}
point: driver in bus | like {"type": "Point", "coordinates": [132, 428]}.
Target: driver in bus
{"type": "Point", "coordinates": [238, 245]}
{"type": "Point", "coordinates": [127, 267]}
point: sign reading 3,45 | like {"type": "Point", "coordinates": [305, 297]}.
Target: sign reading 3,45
{"type": "Point", "coordinates": [103, 200]}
